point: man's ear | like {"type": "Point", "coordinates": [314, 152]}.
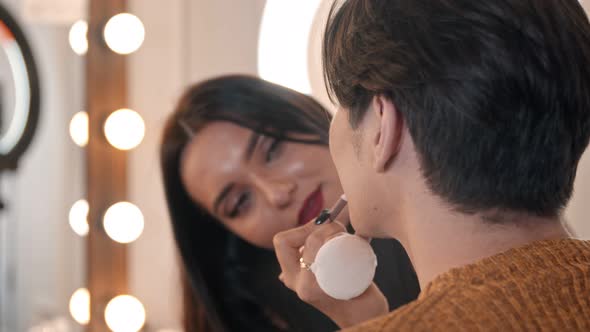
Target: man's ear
{"type": "Point", "coordinates": [387, 140]}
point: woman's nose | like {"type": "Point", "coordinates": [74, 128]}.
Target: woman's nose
{"type": "Point", "coordinates": [278, 192]}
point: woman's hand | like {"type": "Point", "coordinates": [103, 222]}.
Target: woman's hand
{"type": "Point", "coordinates": [310, 238]}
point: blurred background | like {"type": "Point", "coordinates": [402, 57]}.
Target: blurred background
{"type": "Point", "coordinates": [157, 51]}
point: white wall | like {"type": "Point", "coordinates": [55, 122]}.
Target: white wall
{"type": "Point", "coordinates": [223, 37]}
{"type": "Point", "coordinates": [155, 79]}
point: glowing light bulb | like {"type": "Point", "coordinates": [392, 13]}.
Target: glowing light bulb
{"type": "Point", "coordinates": [124, 33]}
{"type": "Point", "coordinates": [79, 37]}
{"type": "Point", "coordinates": [124, 313]}
{"type": "Point", "coordinates": [79, 128]}
{"type": "Point", "coordinates": [80, 306]}
{"type": "Point", "coordinates": [123, 222]}
{"type": "Point", "coordinates": [79, 217]}
{"type": "Point", "coordinates": [124, 129]}
{"type": "Point", "coordinates": [283, 42]}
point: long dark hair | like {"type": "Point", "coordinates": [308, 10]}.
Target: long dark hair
{"type": "Point", "coordinates": [220, 267]}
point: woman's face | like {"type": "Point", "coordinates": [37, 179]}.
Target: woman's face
{"type": "Point", "coordinates": [255, 185]}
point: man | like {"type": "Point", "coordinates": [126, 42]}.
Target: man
{"type": "Point", "coordinates": [460, 129]}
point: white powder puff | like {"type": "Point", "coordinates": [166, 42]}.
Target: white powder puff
{"type": "Point", "coordinates": [345, 266]}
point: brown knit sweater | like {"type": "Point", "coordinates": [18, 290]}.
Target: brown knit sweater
{"type": "Point", "coordinates": [544, 286]}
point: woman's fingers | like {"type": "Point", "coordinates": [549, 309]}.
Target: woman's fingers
{"type": "Point", "coordinates": [287, 246]}
{"type": "Point", "coordinates": [302, 243]}
{"type": "Point", "coordinates": [342, 224]}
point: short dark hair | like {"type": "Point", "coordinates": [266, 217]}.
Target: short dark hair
{"type": "Point", "coordinates": [496, 94]}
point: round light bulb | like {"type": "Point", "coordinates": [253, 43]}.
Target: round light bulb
{"type": "Point", "coordinates": [283, 42]}
{"type": "Point", "coordinates": [124, 129]}
{"type": "Point", "coordinates": [80, 306]}
{"type": "Point", "coordinates": [124, 33]}
{"type": "Point", "coordinates": [124, 313]}
{"type": "Point", "coordinates": [123, 222]}
{"type": "Point", "coordinates": [79, 128]}
{"type": "Point", "coordinates": [79, 37]}
{"type": "Point", "coordinates": [79, 217]}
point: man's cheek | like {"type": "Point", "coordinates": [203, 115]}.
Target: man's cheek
{"type": "Point", "coordinates": [336, 153]}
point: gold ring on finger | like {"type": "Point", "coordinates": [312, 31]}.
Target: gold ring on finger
{"type": "Point", "coordinates": [304, 265]}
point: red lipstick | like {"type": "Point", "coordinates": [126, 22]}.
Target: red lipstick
{"type": "Point", "coordinates": [312, 206]}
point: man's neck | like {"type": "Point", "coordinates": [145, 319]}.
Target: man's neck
{"type": "Point", "coordinates": [438, 240]}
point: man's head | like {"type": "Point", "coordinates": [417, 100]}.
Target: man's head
{"type": "Point", "coordinates": [487, 101]}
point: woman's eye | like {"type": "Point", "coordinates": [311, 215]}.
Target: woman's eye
{"type": "Point", "coordinates": [274, 150]}
{"type": "Point", "coordinates": [240, 205]}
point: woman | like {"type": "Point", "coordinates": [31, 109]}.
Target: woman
{"type": "Point", "coordinates": [242, 160]}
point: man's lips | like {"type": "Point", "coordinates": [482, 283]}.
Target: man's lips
{"type": "Point", "coordinates": [312, 206]}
